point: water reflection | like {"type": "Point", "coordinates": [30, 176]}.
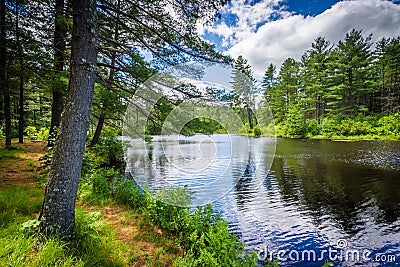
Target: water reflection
{"type": "Point", "coordinates": [334, 179]}
{"type": "Point", "coordinates": [315, 193]}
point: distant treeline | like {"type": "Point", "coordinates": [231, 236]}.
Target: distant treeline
{"type": "Point", "coordinates": [355, 80]}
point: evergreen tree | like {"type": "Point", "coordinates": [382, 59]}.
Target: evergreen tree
{"type": "Point", "coordinates": [147, 23]}
{"type": "Point", "coordinates": [354, 57]}
{"type": "Point", "coordinates": [317, 66]}
{"type": "Point", "coordinates": [244, 87]}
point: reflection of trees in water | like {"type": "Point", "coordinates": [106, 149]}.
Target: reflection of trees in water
{"type": "Point", "coordinates": [347, 193]}
{"type": "Point", "coordinates": [244, 184]}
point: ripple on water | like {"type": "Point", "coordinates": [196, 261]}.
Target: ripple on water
{"type": "Point", "coordinates": [315, 193]}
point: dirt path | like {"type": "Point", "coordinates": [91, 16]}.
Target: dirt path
{"type": "Point", "coordinates": [19, 166]}
{"type": "Point", "coordinates": [148, 245]}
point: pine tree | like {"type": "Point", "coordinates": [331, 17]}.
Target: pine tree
{"type": "Point", "coordinates": [244, 87]}
{"type": "Point", "coordinates": [354, 55]}
{"type": "Point", "coordinates": [147, 23]}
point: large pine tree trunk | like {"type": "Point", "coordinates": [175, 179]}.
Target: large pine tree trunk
{"type": "Point", "coordinates": [58, 212]}
{"type": "Point", "coordinates": [60, 31]}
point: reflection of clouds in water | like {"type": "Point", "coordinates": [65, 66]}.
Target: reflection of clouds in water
{"type": "Point", "coordinates": [222, 162]}
{"type": "Point", "coordinates": [192, 157]}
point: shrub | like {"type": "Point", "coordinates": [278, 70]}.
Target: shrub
{"type": "Point", "coordinates": [2, 136]}
{"type": "Point", "coordinates": [257, 131]}
{"type": "Point", "coordinates": [102, 180]}
{"type": "Point", "coordinates": [43, 134]}
{"type": "Point", "coordinates": [31, 132]}
{"type": "Point", "coordinates": [148, 138]}
{"type": "Point", "coordinates": [312, 127]}
{"type": "Point", "coordinates": [294, 123]}
{"type": "Point", "coordinates": [109, 153]}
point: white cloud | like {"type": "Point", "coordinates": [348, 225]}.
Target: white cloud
{"type": "Point", "coordinates": [291, 36]}
{"type": "Point", "coordinates": [248, 17]}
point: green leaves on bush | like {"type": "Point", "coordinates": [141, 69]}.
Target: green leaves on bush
{"type": "Point", "coordinates": [339, 126]}
{"type": "Point", "coordinates": [32, 133]}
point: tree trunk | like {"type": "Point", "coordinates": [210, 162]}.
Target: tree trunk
{"type": "Point", "coordinates": [21, 78]}
{"type": "Point", "coordinates": [351, 96]}
{"type": "Point", "coordinates": [7, 113]}
{"type": "Point", "coordinates": [249, 116]}
{"type": "Point", "coordinates": [58, 211]}
{"type": "Point", "coordinates": [21, 112]}
{"type": "Point", "coordinates": [99, 128]}
{"type": "Point", "coordinates": [3, 75]}
{"type": "Point", "coordinates": [60, 31]}
{"type": "Point", "coordinates": [110, 80]}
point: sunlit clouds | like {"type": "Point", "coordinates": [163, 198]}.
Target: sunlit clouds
{"type": "Point", "coordinates": [265, 33]}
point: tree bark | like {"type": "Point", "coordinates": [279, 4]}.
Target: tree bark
{"type": "Point", "coordinates": [249, 116]}
{"type": "Point", "coordinates": [58, 211]}
{"type": "Point", "coordinates": [99, 128]}
{"type": "Point", "coordinates": [60, 31]}
{"type": "Point", "coordinates": [110, 80]}
{"type": "Point", "coordinates": [21, 119]}
{"type": "Point", "coordinates": [3, 74]}
{"type": "Point", "coordinates": [21, 78]}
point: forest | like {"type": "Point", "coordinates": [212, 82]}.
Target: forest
{"type": "Point", "coordinates": [346, 89]}
{"type": "Point", "coordinates": [69, 68]}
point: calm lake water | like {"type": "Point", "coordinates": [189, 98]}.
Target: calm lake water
{"type": "Point", "coordinates": [301, 201]}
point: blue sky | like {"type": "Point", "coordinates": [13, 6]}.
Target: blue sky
{"type": "Point", "coordinates": [269, 31]}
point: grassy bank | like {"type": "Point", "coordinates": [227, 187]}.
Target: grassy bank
{"type": "Point", "coordinates": [117, 223]}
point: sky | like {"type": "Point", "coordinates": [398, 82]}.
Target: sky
{"type": "Point", "coordinates": [269, 31]}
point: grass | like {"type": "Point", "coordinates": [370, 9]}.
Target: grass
{"type": "Point", "coordinates": [10, 154]}
{"type": "Point", "coordinates": [106, 235]}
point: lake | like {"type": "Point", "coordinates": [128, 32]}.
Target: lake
{"type": "Point", "coordinates": [299, 201]}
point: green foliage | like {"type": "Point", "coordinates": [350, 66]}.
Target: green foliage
{"type": "Point", "coordinates": [94, 243]}
{"type": "Point", "coordinates": [91, 243]}
{"type": "Point", "coordinates": [102, 179]}
{"type": "Point", "coordinates": [312, 128]}
{"type": "Point", "coordinates": [369, 127]}
{"type": "Point", "coordinates": [108, 153]}
{"type": "Point", "coordinates": [293, 125]}
{"type": "Point", "coordinates": [204, 234]}
{"type": "Point", "coordinates": [2, 135]}
{"type": "Point", "coordinates": [148, 138]}
{"type": "Point", "coordinates": [91, 247]}
{"type": "Point", "coordinates": [388, 126]}
{"type": "Point", "coordinates": [21, 252]}
{"type": "Point", "coordinates": [336, 86]}
{"type": "Point", "coordinates": [43, 134]}
{"type": "Point", "coordinates": [200, 125]}
{"type": "Point", "coordinates": [257, 131]}
{"type": "Point", "coordinates": [31, 132]}
{"type": "Point", "coordinates": [30, 227]}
